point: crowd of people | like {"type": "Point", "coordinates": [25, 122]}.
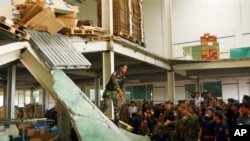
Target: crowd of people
{"type": "Point", "coordinates": [200, 119]}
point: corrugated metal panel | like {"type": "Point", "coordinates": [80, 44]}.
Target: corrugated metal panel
{"type": "Point", "coordinates": [57, 51]}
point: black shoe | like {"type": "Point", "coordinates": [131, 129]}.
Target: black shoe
{"type": "Point", "coordinates": [117, 123]}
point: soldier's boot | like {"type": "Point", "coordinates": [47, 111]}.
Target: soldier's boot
{"type": "Point", "coordinates": [117, 123]}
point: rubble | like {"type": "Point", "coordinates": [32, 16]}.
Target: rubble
{"type": "Point", "coordinates": [54, 16]}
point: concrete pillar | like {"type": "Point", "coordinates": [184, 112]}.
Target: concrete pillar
{"type": "Point", "coordinates": [32, 98]}
{"type": "Point", "coordinates": [171, 86]}
{"type": "Point", "coordinates": [107, 15]}
{"type": "Point", "coordinates": [197, 85]}
{"type": "Point", "coordinates": [97, 91]}
{"type": "Point", "coordinates": [167, 32]}
{"type": "Point", "coordinates": [44, 101]}
{"type": "Point", "coordinates": [63, 123]}
{"type": "Point", "coordinates": [108, 68]}
{"type": "Point", "coordinates": [9, 99]}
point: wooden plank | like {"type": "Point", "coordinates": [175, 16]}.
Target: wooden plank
{"type": "Point", "coordinates": [46, 18]}
{"type": "Point", "coordinates": [14, 31]}
{"type": "Point", "coordinates": [67, 19]}
{"type": "Point", "coordinates": [101, 38]}
{"type": "Point", "coordinates": [7, 27]}
{"type": "Point", "coordinates": [126, 36]}
{"type": "Point", "coordinates": [34, 10]}
{"type": "Point", "coordinates": [22, 34]}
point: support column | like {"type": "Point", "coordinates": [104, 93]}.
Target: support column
{"type": "Point", "coordinates": [197, 85]}
{"type": "Point", "coordinates": [9, 99]}
{"type": "Point", "coordinates": [97, 91]}
{"type": "Point", "coordinates": [167, 27]}
{"type": "Point", "coordinates": [44, 102]}
{"type": "Point", "coordinates": [171, 86]}
{"type": "Point", "coordinates": [63, 123]}
{"type": "Point", "coordinates": [32, 99]}
{"type": "Point", "coordinates": [107, 15]}
{"type": "Point", "coordinates": [108, 68]}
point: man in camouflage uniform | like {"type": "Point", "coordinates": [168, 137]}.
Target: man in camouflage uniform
{"type": "Point", "coordinates": [115, 91]}
{"type": "Point", "coordinates": [244, 118]}
{"type": "Point", "coordinates": [170, 114]}
{"type": "Point", "coordinates": [186, 125]}
{"type": "Point", "coordinates": [246, 99]}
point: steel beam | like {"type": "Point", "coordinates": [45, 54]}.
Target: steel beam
{"type": "Point", "coordinates": [11, 52]}
{"type": "Point", "coordinates": [231, 63]}
{"type": "Point", "coordinates": [142, 55]}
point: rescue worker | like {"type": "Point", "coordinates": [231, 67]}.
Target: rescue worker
{"type": "Point", "coordinates": [170, 114]}
{"type": "Point", "coordinates": [186, 125]}
{"type": "Point", "coordinates": [114, 91]}
{"type": "Point", "coordinates": [207, 126]}
{"type": "Point", "coordinates": [246, 99]}
{"type": "Point", "coordinates": [221, 128]}
{"type": "Point", "coordinates": [244, 118]}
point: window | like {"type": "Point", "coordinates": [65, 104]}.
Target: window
{"type": "Point", "coordinates": [139, 92]}
{"type": "Point", "coordinates": [189, 90]}
{"type": "Point", "coordinates": [213, 87]}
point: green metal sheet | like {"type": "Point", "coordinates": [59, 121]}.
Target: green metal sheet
{"type": "Point", "coordinates": [4, 137]}
{"type": "Point", "coordinates": [89, 122]}
{"type": "Point", "coordinates": [196, 52]}
{"type": "Point", "coordinates": [240, 52]}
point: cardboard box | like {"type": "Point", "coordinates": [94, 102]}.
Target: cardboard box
{"type": "Point", "coordinates": [46, 136]}
{"type": "Point", "coordinates": [204, 43]}
{"type": "Point", "coordinates": [205, 52]}
{"type": "Point", "coordinates": [204, 48]}
{"type": "Point", "coordinates": [204, 57]}
{"type": "Point", "coordinates": [16, 2]}
{"type": "Point", "coordinates": [23, 125]}
{"type": "Point", "coordinates": [2, 113]}
{"type": "Point", "coordinates": [36, 139]}
{"type": "Point", "coordinates": [212, 38]}
{"type": "Point", "coordinates": [68, 20]}
{"type": "Point", "coordinates": [215, 43]}
{"type": "Point", "coordinates": [214, 47]}
{"type": "Point", "coordinates": [31, 131]}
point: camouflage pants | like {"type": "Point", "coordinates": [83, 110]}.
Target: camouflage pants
{"type": "Point", "coordinates": [109, 96]}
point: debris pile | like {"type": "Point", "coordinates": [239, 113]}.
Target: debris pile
{"type": "Point", "coordinates": [53, 16]}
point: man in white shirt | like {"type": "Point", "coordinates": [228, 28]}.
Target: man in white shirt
{"type": "Point", "coordinates": [132, 109]}
{"type": "Point", "coordinates": [197, 99]}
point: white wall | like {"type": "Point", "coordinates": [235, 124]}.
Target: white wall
{"type": "Point", "coordinates": [179, 91]}
{"type": "Point", "coordinates": [230, 89]}
{"type": "Point", "coordinates": [152, 12]}
{"type": "Point", "coordinates": [159, 92]}
{"type": "Point", "coordinates": [228, 19]}
{"type": "Point", "coordinates": [88, 11]}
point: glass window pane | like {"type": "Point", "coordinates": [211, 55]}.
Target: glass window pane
{"type": "Point", "coordinates": [213, 87]}
{"type": "Point", "coordinates": [139, 92]}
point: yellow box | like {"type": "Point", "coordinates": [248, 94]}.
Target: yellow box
{"type": "Point", "coordinates": [214, 48]}
{"type": "Point", "coordinates": [204, 43]}
{"type": "Point", "coordinates": [2, 113]}
{"type": "Point", "coordinates": [205, 52]}
{"type": "Point", "coordinates": [205, 48]}
{"type": "Point", "coordinates": [215, 43]}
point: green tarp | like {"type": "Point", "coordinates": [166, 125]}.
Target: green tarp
{"type": "Point", "coordinates": [89, 122]}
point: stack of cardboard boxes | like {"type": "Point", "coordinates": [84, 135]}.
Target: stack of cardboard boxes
{"type": "Point", "coordinates": [3, 113]}
{"type": "Point", "coordinates": [32, 111]}
{"type": "Point", "coordinates": [50, 16]}
{"type": "Point", "coordinates": [127, 19]}
{"type": "Point", "coordinates": [209, 47]}
{"type": "Point", "coordinates": [26, 130]}
{"type": "Point", "coordinates": [137, 20]}
{"type": "Point", "coordinates": [121, 16]}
